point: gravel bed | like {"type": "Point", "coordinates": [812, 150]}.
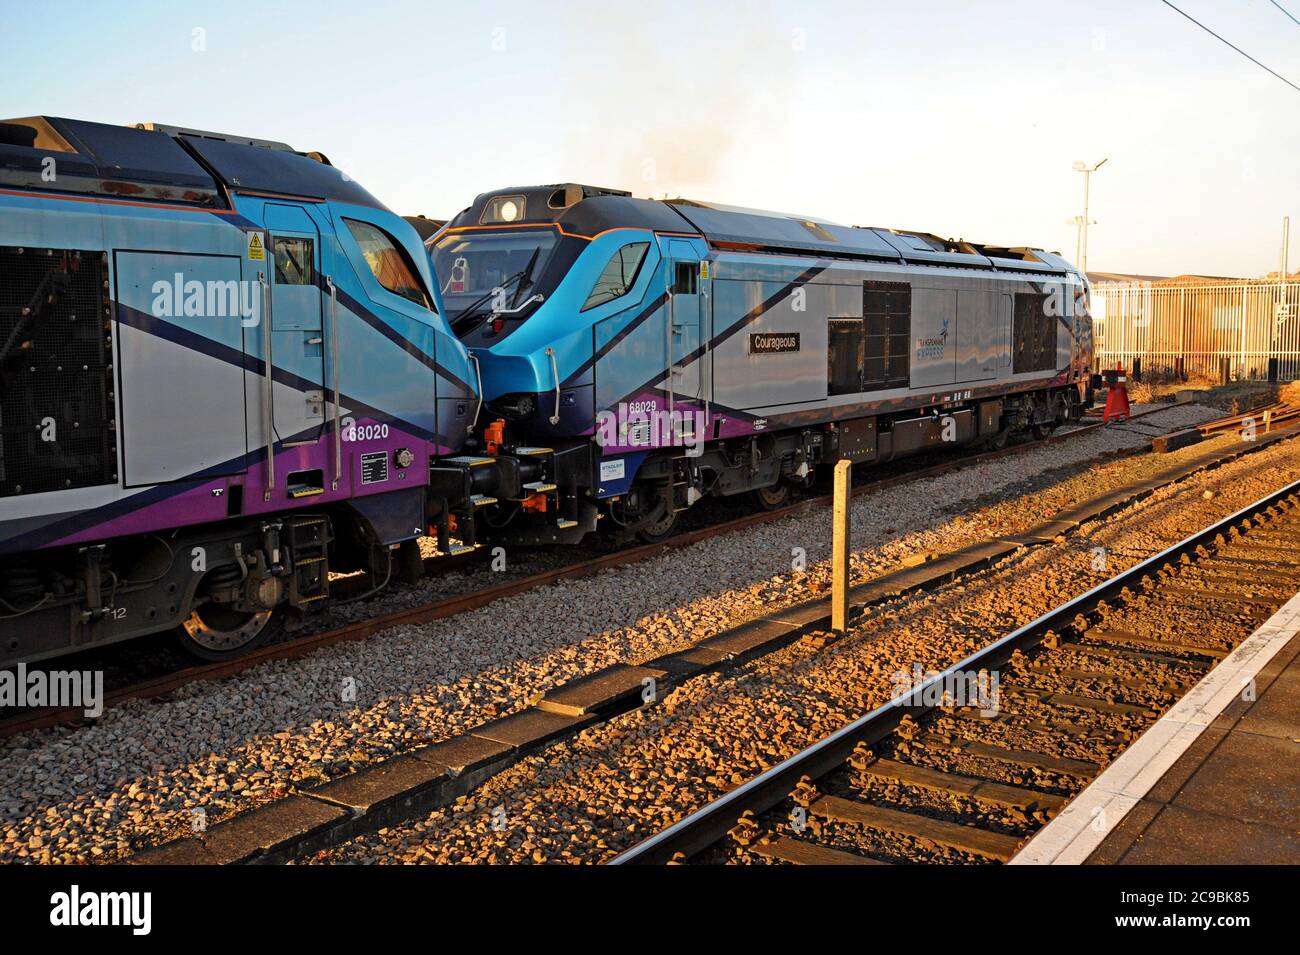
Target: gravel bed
{"type": "Point", "coordinates": [584, 799]}
{"type": "Point", "coordinates": [1028, 722]}
{"type": "Point", "coordinates": [152, 770]}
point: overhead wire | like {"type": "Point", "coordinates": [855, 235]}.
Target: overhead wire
{"type": "Point", "coordinates": [1233, 45]}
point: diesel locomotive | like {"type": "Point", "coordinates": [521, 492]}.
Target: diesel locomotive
{"type": "Point", "coordinates": [227, 371]}
{"type": "Point", "coordinates": [663, 351]}
{"type": "Point", "coordinates": [224, 374]}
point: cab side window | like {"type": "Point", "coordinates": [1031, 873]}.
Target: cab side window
{"type": "Point", "coordinates": [619, 274]}
{"type": "Point", "coordinates": [389, 262]}
{"type": "Point", "coordinates": [294, 260]}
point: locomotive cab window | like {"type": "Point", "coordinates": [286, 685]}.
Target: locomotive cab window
{"type": "Point", "coordinates": [470, 266]}
{"type": "Point", "coordinates": [388, 262]}
{"type": "Point", "coordinates": [619, 275]}
{"type": "Point", "coordinates": [294, 260]}
{"type": "Point", "coordinates": [684, 278]}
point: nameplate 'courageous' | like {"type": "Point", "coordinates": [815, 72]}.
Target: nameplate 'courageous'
{"type": "Point", "coordinates": [771, 343]}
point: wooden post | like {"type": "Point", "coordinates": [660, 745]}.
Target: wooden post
{"type": "Point", "coordinates": [840, 547]}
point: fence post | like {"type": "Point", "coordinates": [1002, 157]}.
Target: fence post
{"type": "Point", "coordinates": [1241, 375]}
{"type": "Point", "coordinates": [840, 547]}
{"type": "Point", "coordinates": [1182, 333]}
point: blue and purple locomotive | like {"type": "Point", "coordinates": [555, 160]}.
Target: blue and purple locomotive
{"type": "Point", "coordinates": [224, 373]}
{"type": "Point", "coordinates": [227, 371]}
{"type": "Point", "coordinates": [666, 351]}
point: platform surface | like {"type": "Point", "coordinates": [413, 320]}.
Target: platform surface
{"type": "Point", "coordinates": [1215, 780]}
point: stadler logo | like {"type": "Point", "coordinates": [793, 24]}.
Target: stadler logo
{"type": "Point", "coordinates": [76, 908]}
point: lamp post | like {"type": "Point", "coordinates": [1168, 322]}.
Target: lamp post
{"type": "Point", "coordinates": [1081, 250]}
{"type": "Point", "coordinates": [1077, 222]}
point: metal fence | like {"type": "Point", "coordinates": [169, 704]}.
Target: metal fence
{"type": "Point", "coordinates": [1225, 332]}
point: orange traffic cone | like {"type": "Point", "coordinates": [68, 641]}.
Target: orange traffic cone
{"type": "Point", "coordinates": [1117, 407]}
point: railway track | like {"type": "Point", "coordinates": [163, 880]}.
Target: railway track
{"type": "Point", "coordinates": [1275, 413]}
{"type": "Point", "coordinates": [391, 791]}
{"type": "Point", "coordinates": [965, 765]}
{"type": "Point", "coordinates": [177, 676]}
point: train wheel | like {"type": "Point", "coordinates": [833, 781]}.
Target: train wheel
{"type": "Point", "coordinates": [1042, 431]}
{"type": "Point", "coordinates": [772, 497]}
{"type": "Point", "coordinates": [216, 632]}
{"type": "Point", "coordinates": [659, 530]}
{"type": "Point", "coordinates": [999, 440]}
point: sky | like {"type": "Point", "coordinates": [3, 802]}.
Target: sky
{"type": "Point", "coordinates": [957, 117]}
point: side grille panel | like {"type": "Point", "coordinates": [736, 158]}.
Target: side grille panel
{"type": "Point", "coordinates": [57, 429]}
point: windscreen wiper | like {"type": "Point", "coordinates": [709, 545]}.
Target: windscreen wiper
{"type": "Point", "coordinates": [526, 279]}
{"type": "Point", "coordinates": [471, 311]}
{"type": "Point", "coordinates": [465, 323]}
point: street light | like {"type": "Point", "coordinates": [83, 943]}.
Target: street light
{"type": "Point", "coordinates": [1077, 222]}
{"type": "Point", "coordinates": [1081, 248]}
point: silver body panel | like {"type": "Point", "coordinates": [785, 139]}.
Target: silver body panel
{"type": "Point", "coordinates": [744, 380]}
{"type": "Point", "coordinates": [974, 309]}
{"type": "Point", "coordinates": [934, 342]}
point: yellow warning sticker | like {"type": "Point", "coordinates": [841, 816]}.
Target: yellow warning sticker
{"type": "Point", "coordinates": [704, 270]}
{"type": "Point", "coordinates": [256, 251]}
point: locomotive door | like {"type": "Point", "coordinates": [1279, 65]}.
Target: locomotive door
{"type": "Point", "coordinates": [296, 333]}
{"type": "Point", "coordinates": [182, 411]}
{"type": "Point", "coordinates": [687, 327]}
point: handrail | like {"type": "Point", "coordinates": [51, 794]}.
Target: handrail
{"type": "Point", "coordinates": [672, 316]}
{"type": "Point", "coordinates": [555, 373]}
{"type": "Point", "coordinates": [478, 380]}
{"type": "Point", "coordinates": [268, 391]}
{"type": "Point", "coordinates": [334, 376]}
{"type": "Point", "coordinates": [706, 368]}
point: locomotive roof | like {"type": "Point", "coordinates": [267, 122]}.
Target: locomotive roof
{"type": "Point", "coordinates": [425, 227]}
{"type": "Point", "coordinates": [162, 163]}
{"type": "Point", "coordinates": [590, 210]}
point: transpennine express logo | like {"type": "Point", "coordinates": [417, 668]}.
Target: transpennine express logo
{"type": "Point", "coordinates": [933, 347]}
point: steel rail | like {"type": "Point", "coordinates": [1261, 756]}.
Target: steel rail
{"type": "Point", "coordinates": [710, 823]}
{"type": "Point", "coordinates": [1278, 411]}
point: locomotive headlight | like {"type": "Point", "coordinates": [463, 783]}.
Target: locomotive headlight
{"type": "Point", "coordinates": [403, 457]}
{"type": "Point", "coordinates": [503, 209]}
